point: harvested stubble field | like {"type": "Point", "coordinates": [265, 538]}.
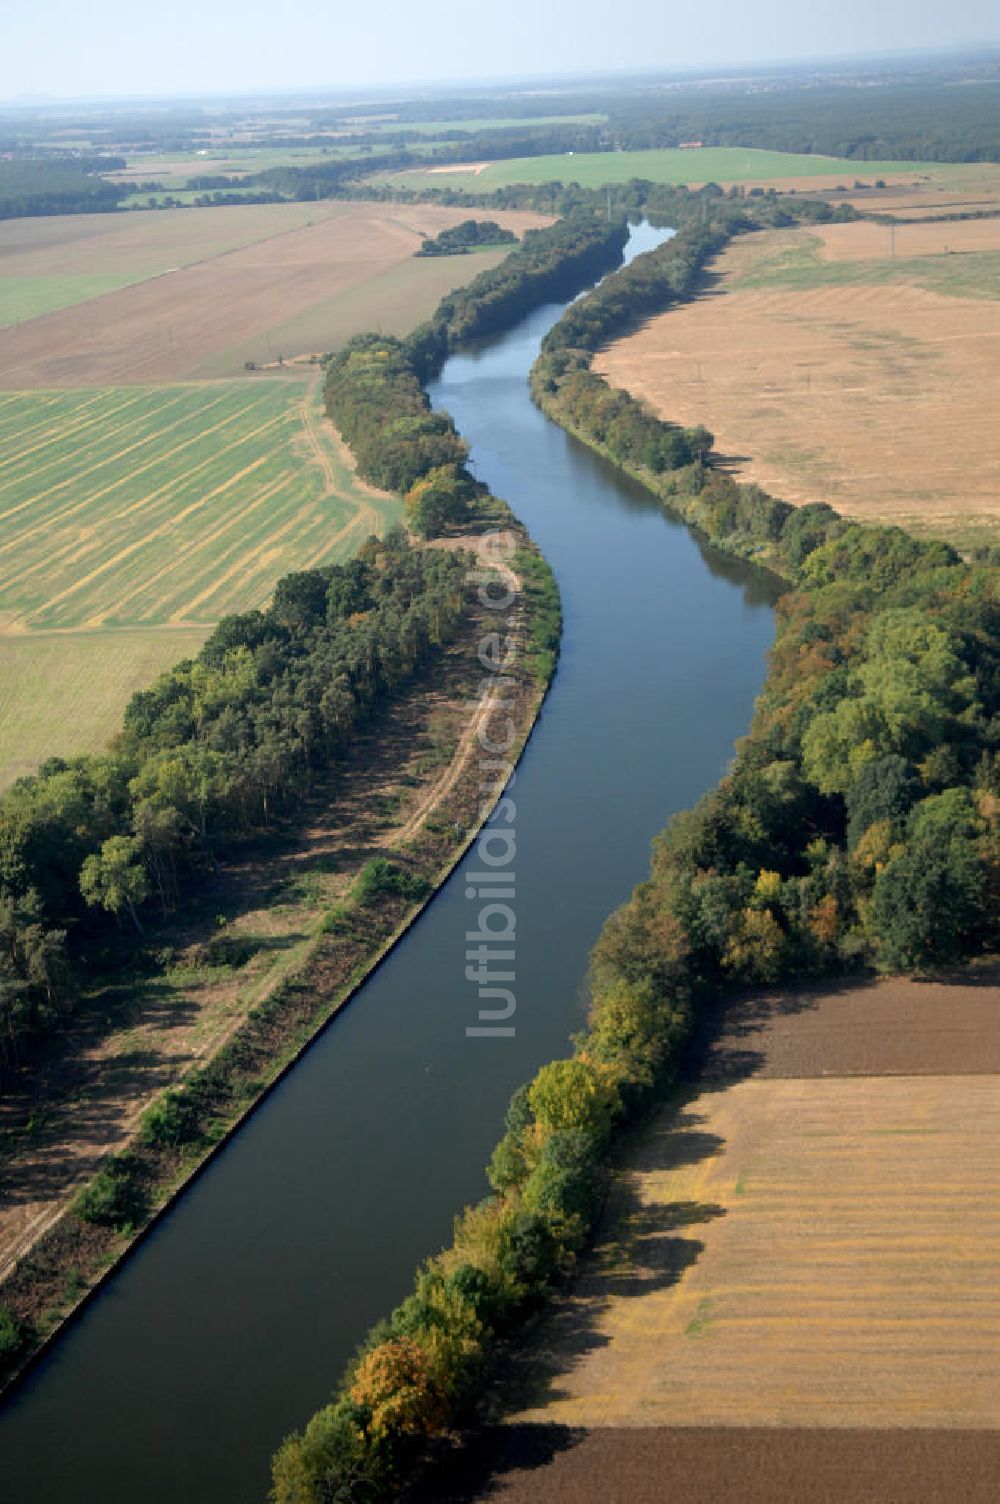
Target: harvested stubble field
{"type": "Point", "coordinates": [851, 363]}
{"type": "Point", "coordinates": [792, 1291]}
{"type": "Point", "coordinates": [971, 189]}
{"type": "Point", "coordinates": [214, 288]}
{"type": "Point", "coordinates": [131, 519]}
{"type": "Point", "coordinates": [52, 263]}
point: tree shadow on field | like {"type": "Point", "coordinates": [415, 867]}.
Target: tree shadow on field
{"type": "Point", "coordinates": [640, 1246]}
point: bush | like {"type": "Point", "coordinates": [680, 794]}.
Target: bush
{"type": "Point", "coordinates": [382, 876]}
{"type": "Point", "coordinates": [11, 1335]}
{"type": "Point", "coordinates": [171, 1121]}
{"type": "Point", "coordinates": [112, 1199]}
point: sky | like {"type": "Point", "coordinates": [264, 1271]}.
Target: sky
{"type": "Point", "coordinates": [66, 48]}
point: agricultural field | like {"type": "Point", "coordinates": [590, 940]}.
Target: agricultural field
{"type": "Point", "coordinates": [807, 1238]}
{"type": "Point", "coordinates": [149, 484]}
{"type": "Point", "coordinates": [213, 288]}
{"type": "Point", "coordinates": [131, 519]}
{"type": "Point", "coordinates": [173, 169]}
{"type": "Point", "coordinates": [849, 363]}
{"type": "Point", "coordinates": [694, 166]}
{"type": "Point", "coordinates": [52, 263]}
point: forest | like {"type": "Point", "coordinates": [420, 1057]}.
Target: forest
{"type": "Point", "coordinates": [858, 828]}
{"type": "Point", "coordinates": [57, 187]}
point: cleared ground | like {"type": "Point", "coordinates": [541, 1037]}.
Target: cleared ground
{"type": "Point", "coordinates": [807, 1249]}
{"type": "Point", "coordinates": [735, 1465]}
{"type": "Point", "coordinates": [215, 287]}
{"type": "Point", "coordinates": [855, 364]}
{"type": "Point", "coordinates": [154, 510]}
{"type": "Point", "coordinates": [717, 164]}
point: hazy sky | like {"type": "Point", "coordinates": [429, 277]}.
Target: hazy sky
{"type": "Point", "coordinates": [88, 47]}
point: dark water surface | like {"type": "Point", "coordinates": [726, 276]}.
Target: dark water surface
{"type": "Point", "coordinates": [233, 1320]}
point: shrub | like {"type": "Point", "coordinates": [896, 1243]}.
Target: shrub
{"type": "Point", "coordinates": [171, 1121]}
{"type": "Point", "coordinates": [382, 876]}
{"type": "Point", "coordinates": [11, 1335]}
{"type": "Point", "coordinates": [112, 1199]}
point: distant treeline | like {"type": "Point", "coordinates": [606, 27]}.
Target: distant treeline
{"type": "Point", "coordinates": [468, 236]}
{"type": "Point", "coordinates": [215, 750]}
{"type": "Point", "coordinates": [31, 186]}
{"type": "Point", "coordinates": [918, 121]}
{"type": "Point", "coordinates": [860, 825]}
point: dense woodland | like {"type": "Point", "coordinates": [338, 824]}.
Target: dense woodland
{"type": "Point", "coordinates": [879, 723]}
{"type": "Point", "coordinates": [56, 187]}
{"type": "Point", "coordinates": [216, 750]}
{"type": "Point", "coordinates": [859, 827]}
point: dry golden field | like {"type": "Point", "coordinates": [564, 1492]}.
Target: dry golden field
{"type": "Point", "coordinates": [801, 1252]}
{"type": "Point", "coordinates": [803, 1249]}
{"type": "Point", "coordinates": [852, 363]}
{"type": "Point", "coordinates": [215, 288]}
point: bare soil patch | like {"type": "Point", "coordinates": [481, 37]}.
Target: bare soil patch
{"type": "Point", "coordinates": [551, 1464]}
{"type": "Point", "coordinates": [474, 167]}
{"type": "Point", "coordinates": [876, 396]}
{"type": "Point", "coordinates": [170, 326]}
{"type": "Point", "coordinates": [888, 1027]}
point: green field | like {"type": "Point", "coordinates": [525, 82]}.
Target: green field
{"type": "Point", "coordinates": [173, 169]}
{"type": "Point", "coordinates": [140, 506]}
{"type": "Point", "coordinates": [62, 693]}
{"type": "Point", "coordinates": [131, 519]}
{"type": "Point", "coordinates": [723, 164]}
{"type": "Point", "coordinates": [27, 297]}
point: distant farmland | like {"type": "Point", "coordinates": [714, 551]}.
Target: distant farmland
{"type": "Point", "coordinates": [162, 296]}
{"type": "Point", "coordinates": [712, 164]}
{"type": "Point", "coordinates": [52, 263]}
{"type": "Point", "coordinates": [156, 511]}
